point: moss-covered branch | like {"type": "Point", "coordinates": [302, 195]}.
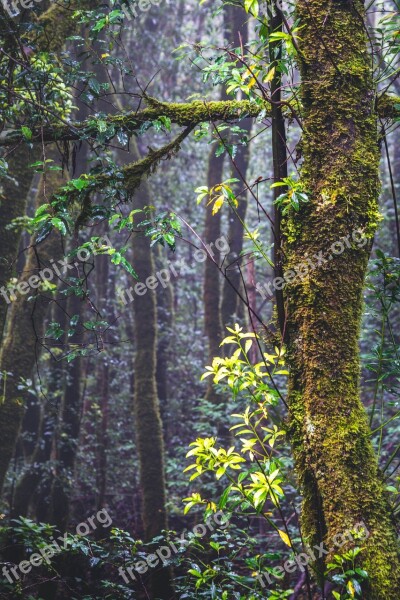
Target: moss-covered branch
{"type": "Point", "coordinates": [133, 175]}
{"type": "Point", "coordinates": [135, 172]}
{"type": "Point", "coordinates": [183, 114]}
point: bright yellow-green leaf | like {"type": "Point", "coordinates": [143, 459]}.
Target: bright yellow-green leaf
{"type": "Point", "coordinates": [350, 588]}
{"type": "Point", "coordinates": [270, 75]}
{"type": "Point", "coordinates": [285, 538]}
{"type": "Point", "coordinates": [218, 204]}
{"type": "Point", "coordinates": [248, 345]}
{"type": "Point", "coordinates": [252, 7]}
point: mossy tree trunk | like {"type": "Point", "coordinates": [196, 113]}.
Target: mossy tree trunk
{"type": "Point", "coordinates": [336, 464]}
{"type": "Point", "coordinates": [148, 425]}
{"type": "Point", "coordinates": [18, 352]}
{"type": "Point", "coordinates": [34, 485]}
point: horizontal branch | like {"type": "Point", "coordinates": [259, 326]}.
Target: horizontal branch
{"type": "Point", "coordinates": [183, 114]}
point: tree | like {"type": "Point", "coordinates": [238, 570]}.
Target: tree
{"type": "Point", "coordinates": [335, 460]}
{"type": "Point", "coordinates": [148, 426]}
{"type": "Point", "coordinates": [24, 335]}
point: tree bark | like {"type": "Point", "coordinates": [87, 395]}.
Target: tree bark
{"type": "Point", "coordinates": [25, 329]}
{"type": "Point", "coordinates": [336, 464]}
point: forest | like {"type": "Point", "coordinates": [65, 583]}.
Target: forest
{"type": "Point", "coordinates": [199, 299]}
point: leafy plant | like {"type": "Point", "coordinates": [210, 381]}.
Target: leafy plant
{"type": "Point", "coordinates": [349, 577]}
{"type": "Point", "coordinates": [294, 196]}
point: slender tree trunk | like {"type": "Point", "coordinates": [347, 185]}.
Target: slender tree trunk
{"type": "Point", "coordinates": [212, 283]}
{"type": "Point", "coordinates": [105, 374]}
{"type": "Point", "coordinates": [336, 464]}
{"type": "Point", "coordinates": [69, 429]}
{"type": "Point", "coordinates": [165, 318]}
{"type": "Point", "coordinates": [279, 154]}
{"type": "Point", "coordinates": [149, 434]}
{"type": "Point", "coordinates": [229, 303]}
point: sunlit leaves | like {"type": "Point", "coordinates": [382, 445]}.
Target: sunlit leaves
{"type": "Point", "coordinates": [252, 7]}
{"type": "Point", "coordinates": [266, 485]}
{"type": "Point", "coordinates": [194, 500]}
{"type": "Point", "coordinates": [218, 195]}
{"type": "Point", "coordinates": [209, 458]}
{"type": "Point", "coordinates": [238, 371]}
{"type": "Point", "coordinates": [250, 465]}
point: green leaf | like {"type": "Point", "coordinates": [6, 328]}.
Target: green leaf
{"type": "Point", "coordinates": [44, 232]}
{"type": "Point", "coordinates": [252, 7]}
{"type": "Point", "coordinates": [79, 184]}
{"type": "Point", "coordinates": [59, 224]}
{"type": "Point", "coordinates": [128, 267]}
{"type": "Point", "coordinates": [361, 573]}
{"type": "Point", "coordinates": [26, 132]}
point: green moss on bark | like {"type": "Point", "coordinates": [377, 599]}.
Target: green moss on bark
{"type": "Point", "coordinates": [335, 460]}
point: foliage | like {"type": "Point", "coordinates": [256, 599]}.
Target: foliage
{"type": "Point", "coordinates": [293, 198]}
{"type": "Point", "coordinates": [349, 576]}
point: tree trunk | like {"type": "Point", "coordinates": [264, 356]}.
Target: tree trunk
{"type": "Point", "coordinates": [149, 434]}
{"type": "Point", "coordinates": [25, 329]}
{"type": "Point", "coordinates": [67, 440]}
{"type": "Point", "coordinates": [212, 284]}
{"type": "Point", "coordinates": [239, 29]}
{"type": "Point", "coordinates": [13, 200]}
{"type": "Point", "coordinates": [165, 319]}
{"type": "Point", "coordinates": [336, 464]}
